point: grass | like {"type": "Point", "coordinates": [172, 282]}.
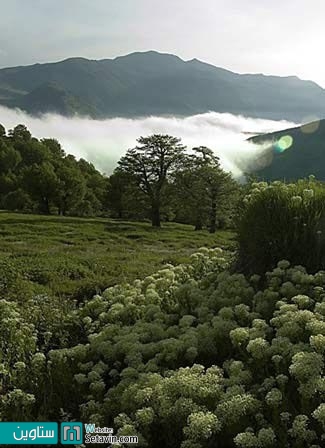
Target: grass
{"type": "Point", "coordinates": [77, 257]}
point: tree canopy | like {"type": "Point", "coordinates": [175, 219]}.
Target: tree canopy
{"type": "Point", "coordinates": [159, 179]}
{"type": "Point", "coordinates": [152, 163]}
{"type": "Point", "coordinates": [38, 176]}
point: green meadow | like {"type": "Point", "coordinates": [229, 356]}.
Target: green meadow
{"type": "Point", "coordinates": [76, 258]}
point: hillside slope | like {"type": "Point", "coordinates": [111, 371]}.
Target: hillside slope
{"type": "Point", "coordinates": [151, 83]}
{"type": "Point", "coordinates": [293, 153]}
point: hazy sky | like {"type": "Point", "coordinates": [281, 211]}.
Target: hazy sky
{"type": "Point", "coordinates": [258, 36]}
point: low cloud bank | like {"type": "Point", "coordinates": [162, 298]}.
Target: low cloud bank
{"type": "Point", "coordinates": [103, 142]}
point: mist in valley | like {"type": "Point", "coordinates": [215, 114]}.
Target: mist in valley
{"type": "Point", "coordinates": [103, 142]}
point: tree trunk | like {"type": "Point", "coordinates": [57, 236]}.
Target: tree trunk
{"type": "Point", "coordinates": [213, 216]}
{"type": "Point", "coordinates": [47, 206]}
{"type": "Point", "coordinates": [198, 223]}
{"type": "Point", "coordinates": [155, 214]}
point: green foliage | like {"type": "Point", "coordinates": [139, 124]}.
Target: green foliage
{"type": "Point", "coordinates": [254, 377]}
{"type": "Point", "coordinates": [190, 356]}
{"type": "Point", "coordinates": [74, 258]}
{"type": "Point", "coordinates": [163, 181]}
{"type": "Point", "coordinates": [37, 176]}
{"type": "Point", "coordinates": [150, 165]}
{"type": "Point", "coordinates": [282, 221]}
{"type": "Point", "coordinates": [205, 194]}
{"type": "Point", "coordinates": [174, 346]}
{"type": "Point", "coordinates": [125, 199]}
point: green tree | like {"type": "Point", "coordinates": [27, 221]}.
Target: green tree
{"type": "Point", "coordinates": [42, 183]}
{"type": "Point", "coordinates": [37, 174]}
{"type": "Point", "coordinates": [152, 162]}
{"type": "Point", "coordinates": [2, 131]}
{"type": "Point", "coordinates": [20, 133]}
{"type": "Point", "coordinates": [17, 200]}
{"type": "Point", "coordinates": [55, 147]}
{"type": "Point", "coordinates": [204, 189]}
{"type": "Point", "coordinates": [124, 199]}
{"type": "Point", "coordinates": [71, 187]}
{"type": "Point", "coordinates": [9, 158]}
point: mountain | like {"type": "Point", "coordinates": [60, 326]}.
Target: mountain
{"type": "Point", "coordinates": [151, 83]}
{"type": "Point", "coordinates": [50, 97]}
{"type": "Point", "coordinates": [292, 153]}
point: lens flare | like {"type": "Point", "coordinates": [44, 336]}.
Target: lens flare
{"type": "Point", "coordinates": [283, 143]}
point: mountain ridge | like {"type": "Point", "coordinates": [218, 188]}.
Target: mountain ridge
{"type": "Point", "coordinates": [153, 83]}
{"type": "Point", "coordinates": [292, 153]}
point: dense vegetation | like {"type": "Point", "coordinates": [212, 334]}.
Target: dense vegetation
{"type": "Point", "coordinates": [157, 180]}
{"type": "Point", "coordinates": [37, 176]}
{"type": "Point", "coordinates": [282, 221]}
{"type": "Point", "coordinates": [132, 85]}
{"type": "Point", "coordinates": [205, 353]}
{"type": "Point", "coordinates": [73, 258]}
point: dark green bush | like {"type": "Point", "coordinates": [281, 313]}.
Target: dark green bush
{"type": "Point", "coordinates": [282, 221]}
{"type": "Point", "coordinates": [18, 200]}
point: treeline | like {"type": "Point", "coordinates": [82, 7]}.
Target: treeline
{"type": "Point", "coordinates": [160, 180]}
{"type": "Point", "coordinates": [38, 176]}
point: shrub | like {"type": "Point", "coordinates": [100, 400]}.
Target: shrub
{"type": "Point", "coordinates": [282, 221]}
{"type": "Point", "coordinates": [18, 200]}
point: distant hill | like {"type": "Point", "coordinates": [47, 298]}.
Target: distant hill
{"type": "Point", "coordinates": [151, 83]}
{"type": "Point", "coordinates": [292, 153]}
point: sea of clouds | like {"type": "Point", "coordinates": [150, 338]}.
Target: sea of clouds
{"type": "Point", "coordinates": [103, 142]}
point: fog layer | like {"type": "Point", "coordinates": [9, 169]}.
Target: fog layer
{"type": "Point", "coordinates": [103, 142]}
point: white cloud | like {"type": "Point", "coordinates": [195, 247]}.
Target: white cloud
{"type": "Point", "coordinates": [103, 142]}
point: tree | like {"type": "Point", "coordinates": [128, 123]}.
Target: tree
{"type": "Point", "coordinates": [2, 131]}
{"type": "Point", "coordinates": [17, 200]}
{"type": "Point", "coordinates": [203, 188]}
{"type": "Point", "coordinates": [42, 184]}
{"type": "Point", "coordinates": [20, 133]}
{"type": "Point", "coordinates": [219, 186]}
{"type": "Point", "coordinates": [54, 146]}
{"type": "Point", "coordinates": [95, 198]}
{"type": "Point", "coordinates": [152, 163]}
{"type": "Point", "coordinates": [124, 198]}
{"type": "Point", "coordinates": [32, 152]}
{"type": "Point", "coordinates": [37, 174]}
{"type": "Point", "coordinates": [9, 158]}
{"type": "Point", "coordinates": [71, 187]}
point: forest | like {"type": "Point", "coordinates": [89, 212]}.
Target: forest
{"type": "Point", "coordinates": [218, 339]}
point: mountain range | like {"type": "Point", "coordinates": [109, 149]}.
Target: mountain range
{"type": "Point", "coordinates": [151, 83]}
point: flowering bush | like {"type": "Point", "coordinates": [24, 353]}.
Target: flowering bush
{"type": "Point", "coordinates": [280, 221]}
{"type": "Point", "coordinates": [193, 356]}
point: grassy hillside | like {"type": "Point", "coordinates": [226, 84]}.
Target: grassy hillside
{"type": "Point", "coordinates": [74, 257]}
{"type": "Point", "coordinates": [131, 86]}
{"type": "Point", "coordinates": [294, 153]}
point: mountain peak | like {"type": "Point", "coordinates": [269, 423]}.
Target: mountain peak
{"type": "Point", "coordinates": [150, 54]}
{"type": "Point", "coordinates": [153, 83]}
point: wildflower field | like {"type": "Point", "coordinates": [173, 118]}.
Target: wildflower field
{"type": "Point", "coordinates": [223, 348]}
